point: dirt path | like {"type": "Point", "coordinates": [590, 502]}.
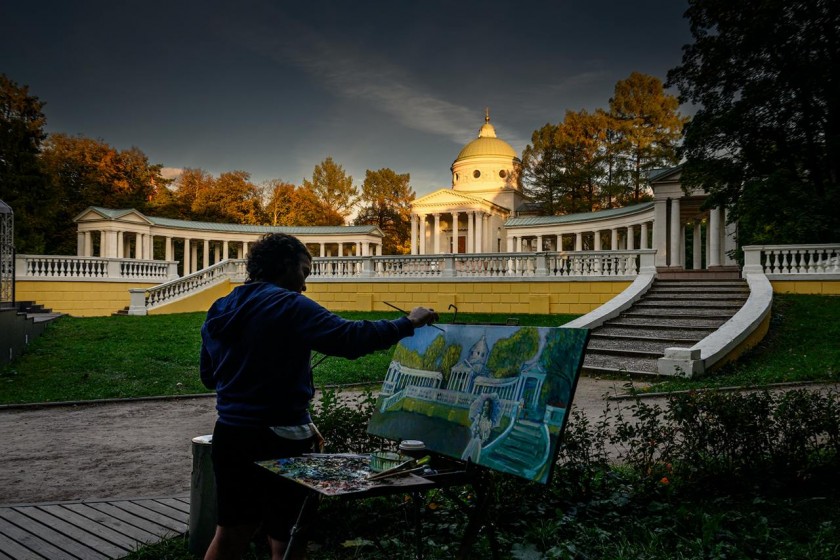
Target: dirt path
{"type": "Point", "coordinates": [127, 449]}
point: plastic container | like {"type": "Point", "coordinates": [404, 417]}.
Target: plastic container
{"type": "Point", "coordinates": [384, 460]}
{"type": "Point", "coordinates": [413, 448]}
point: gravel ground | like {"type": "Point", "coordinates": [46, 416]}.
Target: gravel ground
{"type": "Point", "coordinates": [128, 449]}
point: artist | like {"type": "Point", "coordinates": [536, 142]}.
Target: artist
{"type": "Point", "coordinates": [255, 353]}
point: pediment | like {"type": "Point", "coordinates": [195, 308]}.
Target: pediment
{"type": "Point", "coordinates": [446, 199]}
{"type": "Point", "coordinates": [97, 214]}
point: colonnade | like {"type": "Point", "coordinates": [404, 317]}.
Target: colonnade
{"type": "Point", "coordinates": [620, 238]}
{"type": "Point", "coordinates": [435, 239]}
{"type": "Point", "coordinates": [196, 252]}
{"type": "Point", "coordinates": [712, 236]}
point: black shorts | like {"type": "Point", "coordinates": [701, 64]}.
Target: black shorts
{"type": "Point", "coordinates": [247, 494]}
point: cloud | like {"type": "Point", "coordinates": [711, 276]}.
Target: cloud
{"type": "Point", "coordinates": [348, 72]}
{"type": "Point", "coordinates": [171, 172]}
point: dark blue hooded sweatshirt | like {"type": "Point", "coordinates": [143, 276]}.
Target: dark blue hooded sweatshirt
{"type": "Point", "coordinates": [256, 345]}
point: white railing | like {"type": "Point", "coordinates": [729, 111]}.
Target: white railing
{"type": "Point", "coordinates": [144, 299]}
{"type": "Point", "coordinates": [59, 267]}
{"type": "Point", "coordinates": [792, 260]}
{"type": "Point", "coordinates": [485, 265]}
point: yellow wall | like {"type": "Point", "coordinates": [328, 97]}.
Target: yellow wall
{"type": "Point", "coordinates": [81, 299]}
{"type": "Point", "coordinates": [539, 298]}
{"type": "Point", "coordinates": [103, 298]}
{"type": "Point", "coordinates": [826, 288]}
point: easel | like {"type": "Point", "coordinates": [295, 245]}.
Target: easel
{"type": "Point", "coordinates": [481, 480]}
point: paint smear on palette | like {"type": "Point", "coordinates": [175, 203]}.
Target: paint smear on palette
{"type": "Point", "coordinates": [330, 475]}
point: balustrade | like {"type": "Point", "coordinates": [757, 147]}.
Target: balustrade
{"type": "Point", "coordinates": [790, 260]}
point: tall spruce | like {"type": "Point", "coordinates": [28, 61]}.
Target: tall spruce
{"type": "Point", "coordinates": [765, 140]}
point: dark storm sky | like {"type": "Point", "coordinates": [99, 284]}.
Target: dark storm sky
{"type": "Point", "coordinates": [274, 87]}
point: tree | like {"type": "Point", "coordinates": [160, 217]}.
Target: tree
{"type": "Point", "coordinates": [85, 172]}
{"type": "Point", "coordinates": [542, 170]}
{"type": "Point", "coordinates": [232, 198]}
{"type": "Point", "coordinates": [765, 140]}
{"type": "Point", "coordinates": [289, 205]}
{"type": "Point", "coordinates": [649, 126]}
{"type": "Point", "coordinates": [386, 202]}
{"type": "Point", "coordinates": [333, 187]}
{"type": "Point", "coordinates": [22, 184]}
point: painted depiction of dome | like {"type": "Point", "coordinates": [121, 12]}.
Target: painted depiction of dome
{"type": "Point", "coordinates": [486, 144]}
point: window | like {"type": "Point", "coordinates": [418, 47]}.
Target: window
{"type": "Point", "coordinates": [476, 173]}
{"type": "Point", "coordinates": [502, 173]}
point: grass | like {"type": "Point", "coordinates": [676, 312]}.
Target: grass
{"type": "Point", "coordinates": [801, 345]}
{"type": "Point", "coordinates": [126, 357]}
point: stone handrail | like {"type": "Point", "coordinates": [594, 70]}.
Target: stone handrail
{"type": "Point", "coordinates": [626, 264]}
{"type": "Point", "coordinates": [61, 267]}
{"type": "Point", "coordinates": [787, 261]}
{"type": "Point", "coordinates": [144, 299]}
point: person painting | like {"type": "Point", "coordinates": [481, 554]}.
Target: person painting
{"type": "Point", "coordinates": [255, 353]}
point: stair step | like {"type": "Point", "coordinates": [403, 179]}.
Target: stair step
{"type": "Point", "coordinates": [682, 322]}
{"type": "Point", "coordinates": [620, 364]}
{"type": "Point", "coordinates": [626, 351]}
{"type": "Point", "coordinates": [702, 296]}
{"type": "Point", "coordinates": [716, 304]}
{"type": "Point", "coordinates": [610, 344]}
{"type": "Point", "coordinates": [656, 333]}
{"type": "Point", "coordinates": [676, 313]}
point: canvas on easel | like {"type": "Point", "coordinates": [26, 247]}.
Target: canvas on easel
{"type": "Point", "coordinates": [497, 396]}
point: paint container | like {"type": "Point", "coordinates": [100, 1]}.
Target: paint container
{"type": "Point", "coordinates": [384, 460]}
{"type": "Point", "coordinates": [413, 448]}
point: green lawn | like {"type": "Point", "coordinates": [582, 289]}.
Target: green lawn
{"type": "Point", "coordinates": [124, 356]}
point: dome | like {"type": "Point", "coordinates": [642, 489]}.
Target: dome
{"type": "Point", "coordinates": [487, 144]}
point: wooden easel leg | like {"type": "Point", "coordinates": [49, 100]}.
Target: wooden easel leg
{"type": "Point", "coordinates": [478, 518]}
{"type": "Point", "coordinates": [417, 504]}
{"type": "Point", "coordinates": [296, 528]}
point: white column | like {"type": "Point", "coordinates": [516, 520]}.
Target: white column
{"type": "Point", "coordinates": [322, 249]}
{"type": "Point", "coordinates": [437, 234]}
{"type": "Point", "coordinates": [225, 249]}
{"type": "Point", "coordinates": [730, 239]}
{"type": "Point", "coordinates": [479, 232]}
{"type": "Point", "coordinates": [579, 241]}
{"type": "Point", "coordinates": [80, 244]}
{"type": "Point", "coordinates": [414, 226]}
{"type": "Point", "coordinates": [714, 237]}
{"type": "Point", "coordinates": [631, 238]}
{"type": "Point", "coordinates": [217, 253]}
{"type": "Point", "coordinates": [88, 244]}
{"type": "Point", "coordinates": [676, 228]}
{"type": "Point", "coordinates": [205, 254]}
{"type": "Point", "coordinates": [379, 249]}
{"type": "Point", "coordinates": [121, 246]}
{"type": "Point", "coordinates": [539, 243]}
{"type": "Point", "coordinates": [111, 244]}
{"type": "Point", "coordinates": [422, 234]}
{"type": "Point", "coordinates": [194, 257]}
{"type": "Point", "coordinates": [660, 232]}
{"type": "Point", "coordinates": [596, 240]}
{"type": "Point", "coordinates": [167, 248]}
{"type": "Point", "coordinates": [455, 217]}
{"type": "Point", "coordinates": [470, 248]}
{"type": "Point", "coordinates": [519, 244]}
{"type": "Point", "coordinates": [614, 239]}
{"type": "Point", "coordinates": [359, 250]}
{"type": "Point", "coordinates": [697, 251]}
{"type": "Point", "coordinates": [643, 238]}
{"type": "Point", "coordinates": [244, 249]}
{"type": "Point", "coordinates": [187, 254]}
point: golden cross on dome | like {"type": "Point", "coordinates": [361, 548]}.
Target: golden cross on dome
{"type": "Point", "coordinates": [487, 114]}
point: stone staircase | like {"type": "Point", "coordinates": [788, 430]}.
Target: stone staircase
{"type": "Point", "coordinates": [521, 449]}
{"type": "Point", "coordinates": [672, 313]}
{"type": "Point", "coordinates": [20, 324]}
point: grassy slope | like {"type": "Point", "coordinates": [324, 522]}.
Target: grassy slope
{"type": "Point", "coordinates": [118, 357]}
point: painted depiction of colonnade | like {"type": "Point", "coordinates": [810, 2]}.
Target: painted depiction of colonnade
{"type": "Point", "coordinates": [497, 396]}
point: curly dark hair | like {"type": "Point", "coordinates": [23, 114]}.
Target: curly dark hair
{"type": "Point", "coordinates": [272, 255]}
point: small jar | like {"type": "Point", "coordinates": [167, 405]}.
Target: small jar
{"type": "Point", "coordinates": [413, 448]}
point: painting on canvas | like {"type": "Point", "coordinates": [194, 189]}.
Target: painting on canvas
{"type": "Point", "coordinates": [497, 396]}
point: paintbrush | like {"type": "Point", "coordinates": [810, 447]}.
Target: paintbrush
{"type": "Point", "coordinates": [406, 312]}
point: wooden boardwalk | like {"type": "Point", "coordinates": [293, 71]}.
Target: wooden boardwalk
{"type": "Point", "coordinates": [90, 529]}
